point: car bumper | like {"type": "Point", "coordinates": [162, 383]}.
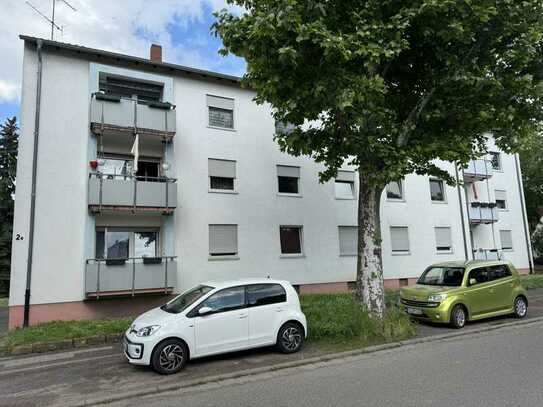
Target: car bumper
{"type": "Point", "coordinates": [439, 314]}
{"type": "Point", "coordinates": [137, 350]}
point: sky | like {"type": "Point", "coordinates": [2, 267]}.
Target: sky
{"type": "Point", "coordinates": [182, 27]}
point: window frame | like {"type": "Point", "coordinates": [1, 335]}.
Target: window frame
{"type": "Point", "coordinates": [248, 286]}
{"type": "Point", "coordinates": [478, 283]}
{"type": "Point", "coordinates": [444, 189]}
{"type": "Point", "coordinates": [194, 311]}
{"type": "Point", "coordinates": [499, 160]}
{"type": "Point", "coordinates": [131, 240]}
{"type": "Point", "coordinates": [298, 181]}
{"type": "Point", "coordinates": [400, 252]}
{"type": "Point", "coordinates": [437, 248]}
{"type": "Point", "coordinates": [233, 110]}
{"type": "Point", "coordinates": [505, 201]}
{"type": "Point", "coordinates": [223, 256]}
{"type": "Point", "coordinates": [507, 249]}
{"type": "Point", "coordinates": [504, 266]}
{"type": "Point", "coordinates": [300, 238]}
{"type": "Point", "coordinates": [402, 192]}
{"type": "Point", "coordinates": [339, 228]}
{"type": "Point", "coordinates": [345, 197]}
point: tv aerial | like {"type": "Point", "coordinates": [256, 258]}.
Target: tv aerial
{"type": "Point", "coordinates": [52, 19]}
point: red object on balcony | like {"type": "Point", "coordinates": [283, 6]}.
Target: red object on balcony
{"type": "Point", "coordinates": [93, 164]}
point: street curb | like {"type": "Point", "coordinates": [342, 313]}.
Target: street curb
{"type": "Point", "coordinates": [286, 365]}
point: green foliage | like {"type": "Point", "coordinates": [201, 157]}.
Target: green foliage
{"type": "Point", "coordinates": [537, 243]}
{"type": "Point", "coordinates": [532, 281]}
{"type": "Point", "coordinates": [338, 318]}
{"type": "Point", "coordinates": [8, 163]}
{"type": "Point", "coordinates": [3, 302]}
{"type": "Point", "coordinates": [61, 330]}
{"type": "Point", "coordinates": [531, 162]}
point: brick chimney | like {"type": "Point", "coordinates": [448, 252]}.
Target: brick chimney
{"type": "Point", "coordinates": [156, 53]}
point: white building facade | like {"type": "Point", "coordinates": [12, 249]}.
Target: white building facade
{"type": "Point", "coordinates": [212, 197]}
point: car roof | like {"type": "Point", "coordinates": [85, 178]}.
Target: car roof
{"type": "Point", "coordinates": [470, 263]}
{"type": "Point", "coordinates": [234, 283]}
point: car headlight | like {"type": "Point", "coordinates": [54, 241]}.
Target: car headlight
{"type": "Point", "coordinates": [147, 330]}
{"type": "Point", "coordinates": [437, 297]}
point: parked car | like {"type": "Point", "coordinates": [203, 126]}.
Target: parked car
{"type": "Point", "coordinates": [214, 318]}
{"type": "Point", "coordinates": [456, 292]}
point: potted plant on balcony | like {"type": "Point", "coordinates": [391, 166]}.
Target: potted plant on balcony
{"type": "Point", "coordinates": [116, 262]}
{"type": "Point", "coordinates": [152, 260]}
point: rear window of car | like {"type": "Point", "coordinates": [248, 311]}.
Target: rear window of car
{"type": "Point", "coordinates": [497, 272]}
{"type": "Point", "coordinates": [265, 294]}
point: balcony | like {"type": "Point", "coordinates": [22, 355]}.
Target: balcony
{"type": "Point", "coordinates": [478, 170]}
{"type": "Point", "coordinates": [130, 277]}
{"type": "Point", "coordinates": [117, 115]}
{"type": "Point", "coordinates": [128, 193]}
{"type": "Point", "coordinates": [483, 213]}
{"type": "Point", "coordinates": [486, 254]}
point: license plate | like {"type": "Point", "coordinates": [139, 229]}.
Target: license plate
{"type": "Point", "coordinates": [414, 311]}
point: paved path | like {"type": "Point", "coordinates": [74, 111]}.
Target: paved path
{"type": "Point", "coordinates": [499, 368]}
{"type": "Point", "coordinates": [60, 378]}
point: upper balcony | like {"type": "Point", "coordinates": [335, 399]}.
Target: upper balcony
{"type": "Point", "coordinates": [109, 192]}
{"type": "Point", "coordinates": [118, 115]}
{"type": "Point", "coordinates": [487, 254]}
{"type": "Point", "coordinates": [478, 170]}
{"type": "Point", "coordinates": [483, 213]}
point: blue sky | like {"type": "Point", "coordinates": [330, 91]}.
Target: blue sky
{"type": "Point", "coordinates": [182, 27]}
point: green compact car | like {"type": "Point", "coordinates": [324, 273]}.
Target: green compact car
{"type": "Point", "coordinates": [456, 292]}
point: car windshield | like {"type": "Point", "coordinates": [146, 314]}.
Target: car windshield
{"type": "Point", "coordinates": [444, 276]}
{"type": "Point", "coordinates": [181, 302]}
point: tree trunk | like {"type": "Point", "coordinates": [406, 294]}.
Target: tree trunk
{"type": "Point", "coordinates": [369, 273]}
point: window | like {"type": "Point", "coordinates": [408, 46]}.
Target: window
{"type": "Point", "coordinates": [496, 161]}
{"type": "Point", "coordinates": [223, 240]}
{"type": "Point", "coordinates": [265, 294]}
{"type": "Point", "coordinates": [117, 243]}
{"type": "Point", "coordinates": [506, 239]}
{"type": "Point", "coordinates": [288, 179]}
{"type": "Point", "coordinates": [437, 190]}
{"type": "Point", "coordinates": [497, 272]}
{"type": "Point", "coordinates": [147, 171]}
{"type": "Point", "coordinates": [226, 300]}
{"type": "Point", "coordinates": [395, 190]}
{"type": "Point", "coordinates": [399, 239]}
{"type": "Point", "coordinates": [181, 302]}
{"type": "Point", "coordinates": [501, 199]}
{"type": "Point", "coordinates": [344, 185]}
{"type": "Point", "coordinates": [442, 276]}
{"type": "Point", "coordinates": [348, 240]}
{"type": "Point", "coordinates": [145, 244]}
{"type": "Point", "coordinates": [443, 239]}
{"type": "Point", "coordinates": [222, 174]}
{"type": "Point", "coordinates": [291, 239]}
{"type": "Point", "coordinates": [480, 275]}
{"type": "Point", "coordinates": [143, 91]}
{"type": "Point", "coordinates": [123, 167]}
{"type": "Point", "coordinates": [221, 112]}
{"type": "Point", "coordinates": [117, 167]}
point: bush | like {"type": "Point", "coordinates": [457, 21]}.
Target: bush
{"type": "Point", "coordinates": [532, 281]}
{"type": "Point", "coordinates": [340, 318]}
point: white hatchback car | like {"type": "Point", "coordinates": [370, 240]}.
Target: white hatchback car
{"type": "Point", "coordinates": [215, 318]}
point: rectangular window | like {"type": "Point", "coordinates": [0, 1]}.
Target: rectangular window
{"type": "Point", "coordinates": [395, 190]}
{"type": "Point", "coordinates": [399, 239]}
{"type": "Point", "coordinates": [143, 91]}
{"type": "Point", "coordinates": [348, 240]}
{"type": "Point", "coordinates": [145, 244]}
{"type": "Point", "coordinates": [443, 239]}
{"type": "Point", "coordinates": [497, 272]}
{"type": "Point", "coordinates": [437, 190]}
{"type": "Point", "coordinates": [223, 240]}
{"type": "Point", "coordinates": [116, 243]}
{"type": "Point", "coordinates": [222, 174]}
{"type": "Point", "coordinates": [506, 238]}
{"type": "Point", "coordinates": [265, 294]}
{"type": "Point", "coordinates": [291, 239]}
{"type": "Point", "coordinates": [221, 111]}
{"type": "Point", "coordinates": [501, 199]}
{"type": "Point", "coordinates": [344, 185]}
{"type": "Point", "coordinates": [288, 179]}
{"type": "Point", "coordinates": [496, 161]}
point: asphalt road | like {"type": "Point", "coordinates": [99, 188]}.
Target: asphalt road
{"type": "Point", "coordinates": [498, 368]}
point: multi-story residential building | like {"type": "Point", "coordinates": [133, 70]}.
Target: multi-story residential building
{"type": "Point", "coordinates": [151, 177]}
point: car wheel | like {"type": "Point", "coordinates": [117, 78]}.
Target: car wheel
{"type": "Point", "coordinates": [521, 307]}
{"type": "Point", "coordinates": [290, 338]}
{"type": "Point", "coordinates": [169, 356]}
{"type": "Point", "coordinates": [458, 317]}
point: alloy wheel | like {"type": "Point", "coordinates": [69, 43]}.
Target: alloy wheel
{"type": "Point", "coordinates": [460, 317]}
{"type": "Point", "coordinates": [171, 357]}
{"type": "Point", "coordinates": [291, 338]}
{"type": "Point", "coordinates": [520, 307]}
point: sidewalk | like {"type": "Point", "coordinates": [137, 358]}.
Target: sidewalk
{"type": "Point", "coordinates": [69, 377]}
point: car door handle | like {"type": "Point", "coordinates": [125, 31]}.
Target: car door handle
{"type": "Point", "coordinates": [241, 316]}
{"type": "Point", "coordinates": [279, 310]}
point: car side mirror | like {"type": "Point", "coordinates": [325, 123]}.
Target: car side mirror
{"type": "Point", "coordinates": [472, 281]}
{"type": "Point", "coordinates": [205, 310]}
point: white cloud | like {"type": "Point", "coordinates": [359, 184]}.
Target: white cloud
{"type": "Point", "coordinates": [126, 26]}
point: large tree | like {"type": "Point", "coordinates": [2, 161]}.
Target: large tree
{"type": "Point", "coordinates": [8, 163]}
{"type": "Point", "coordinates": [390, 87]}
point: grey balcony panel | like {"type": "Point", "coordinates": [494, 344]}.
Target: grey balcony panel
{"type": "Point", "coordinates": [478, 170]}
{"type": "Point", "coordinates": [487, 254]}
{"type": "Point", "coordinates": [155, 119]}
{"type": "Point", "coordinates": [114, 113]}
{"type": "Point", "coordinates": [154, 194]}
{"type": "Point", "coordinates": [118, 279]}
{"type": "Point", "coordinates": [483, 215]}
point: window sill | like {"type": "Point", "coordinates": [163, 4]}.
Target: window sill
{"type": "Point", "coordinates": [395, 200]}
{"type": "Point", "coordinates": [345, 198]}
{"type": "Point", "coordinates": [503, 210]}
{"type": "Point", "coordinates": [292, 256]}
{"type": "Point", "coordinates": [222, 128]}
{"type": "Point", "coordinates": [508, 250]}
{"type": "Point", "coordinates": [408, 253]}
{"type": "Point", "coordinates": [444, 252]}
{"type": "Point", "coordinates": [221, 258]}
{"type": "Point", "coordinates": [222, 191]}
{"type": "Point", "coordinates": [439, 202]}
{"type": "Point", "coordinates": [348, 255]}
{"type": "Point", "coordinates": [289, 195]}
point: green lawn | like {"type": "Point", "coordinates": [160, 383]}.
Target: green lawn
{"type": "Point", "coordinates": [532, 281]}
{"type": "Point", "coordinates": [3, 302]}
{"type": "Point", "coordinates": [335, 321]}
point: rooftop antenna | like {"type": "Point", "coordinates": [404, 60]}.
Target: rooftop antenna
{"type": "Point", "coordinates": [52, 19]}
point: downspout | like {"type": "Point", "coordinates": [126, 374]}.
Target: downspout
{"type": "Point", "coordinates": [461, 213]}
{"type": "Point", "coordinates": [39, 45]}
{"type": "Point", "coordinates": [524, 215]}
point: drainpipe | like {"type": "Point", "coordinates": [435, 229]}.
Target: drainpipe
{"type": "Point", "coordinates": [461, 213]}
{"type": "Point", "coordinates": [524, 215]}
{"type": "Point", "coordinates": [39, 45]}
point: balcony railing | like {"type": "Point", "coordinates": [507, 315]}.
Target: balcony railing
{"type": "Point", "coordinates": [131, 193]}
{"type": "Point", "coordinates": [111, 114]}
{"type": "Point", "coordinates": [130, 276]}
{"type": "Point", "coordinates": [478, 170]}
{"type": "Point", "coordinates": [483, 212]}
{"type": "Point", "coordinates": [487, 254]}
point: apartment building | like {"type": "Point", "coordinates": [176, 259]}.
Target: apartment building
{"type": "Point", "coordinates": [151, 177]}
